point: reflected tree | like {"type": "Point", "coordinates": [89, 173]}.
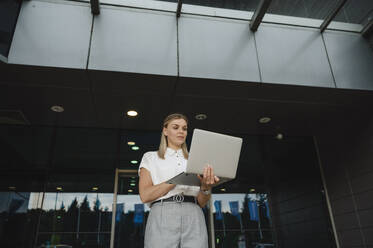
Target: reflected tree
{"type": "Point", "coordinates": [84, 207]}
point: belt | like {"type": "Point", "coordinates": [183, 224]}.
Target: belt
{"type": "Point", "coordinates": [177, 198]}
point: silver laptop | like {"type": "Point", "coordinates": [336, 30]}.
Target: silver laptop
{"type": "Point", "coordinates": [221, 151]}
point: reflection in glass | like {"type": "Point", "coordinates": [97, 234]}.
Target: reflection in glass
{"type": "Point", "coordinates": [76, 219]}
{"type": "Point", "coordinates": [77, 205]}
{"type": "Point", "coordinates": [74, 206]}
{"type": "Point", "coordinates": [85, 148]}
{"type": "Point", "coordinates": [242, 220]}
{"type": "Point", "coordinates": [24, 147]}
{"type": "Point", "coordinates": [131, 215]}
{"type": "Point", "coordinates": [130, 222]}
{"type": "Point", "coordinates": [356, 11]}
{"type": "Point", "coordinates": [146, 141]}
{"type": "Point", "coordinates": [249, 5]}
{"type": "Point", "coordinates": [246, 5]}
{"type": "Point", "coordinates": [18, 221]}
{"type": "Point", "coordinates": [308, 9]}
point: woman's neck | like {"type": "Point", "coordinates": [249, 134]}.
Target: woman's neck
{"type": "Point", "coordinates": [174, 147]}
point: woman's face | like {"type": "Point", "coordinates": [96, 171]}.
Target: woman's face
{"type": "Point", "coordinates": [176, 132]}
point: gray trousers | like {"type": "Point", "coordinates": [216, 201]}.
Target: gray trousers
{"type": "Point", "coordinates": [176, 225]}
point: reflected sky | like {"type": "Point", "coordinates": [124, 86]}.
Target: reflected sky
{"type": "Point", "coordinates": [55, 200]}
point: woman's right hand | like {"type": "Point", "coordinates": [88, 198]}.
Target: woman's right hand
{"type": "Point", "coordinates": [208, 180]}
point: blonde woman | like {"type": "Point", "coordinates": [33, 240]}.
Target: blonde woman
{"type": "Point", "coordinates": [176, 218]}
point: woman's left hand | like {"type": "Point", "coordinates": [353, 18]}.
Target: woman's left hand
{"type": "Point", "coordinates": [209, 179]}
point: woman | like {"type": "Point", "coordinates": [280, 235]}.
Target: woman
{"type": "Point", "coordinates": [176, 218]}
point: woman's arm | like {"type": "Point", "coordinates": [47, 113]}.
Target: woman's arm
{"type": "Point", "coordinates": [207, 181]}
{"type": "Point", "coordinates": [149, 192]}
{"type": "Point", "coordinates": [203, 199]}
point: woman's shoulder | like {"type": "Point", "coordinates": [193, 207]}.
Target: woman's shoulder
{"type": "Point", "coordinates": [150, 155]}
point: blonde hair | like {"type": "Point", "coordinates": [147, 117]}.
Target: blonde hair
{"type": "Point", "coordinates": [164, 143]}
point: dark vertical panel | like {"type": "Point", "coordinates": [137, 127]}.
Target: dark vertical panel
{"type": "Point", "coordinates": [296, 189]}
{"type": "Point", "coordinates": [9, 10]}
{"type": "Point", "coordinates": [347, 163]}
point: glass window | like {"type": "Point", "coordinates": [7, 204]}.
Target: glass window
{"type": "Point", "coordinates": [77, 210]}
{"type": "Point", "coordinates": [85, 148]}
{"type": "Point", "coordinates": [24, 146]}
{"type": "Point", "coordinates": [276, 198]}
{"type": "Point", "coordinates": [133, 145]}
{"type": "Point", "coordinates": [305, 8]}
{"type": "Point", "coordinates": [247, 226]}
{"type": "Point", "coordinates": [131, 214]}
{"type": "Point", "coordinates": [301, 8]}
{"type": "Point", "coordinates": [355, 12]}
{"type": "Point", "coordinates": [19, 208]}
{"type": "Point", "coordinates": [248, 5]}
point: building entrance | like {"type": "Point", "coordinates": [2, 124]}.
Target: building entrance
{"type": "Point", "coordinates": [74, 189]}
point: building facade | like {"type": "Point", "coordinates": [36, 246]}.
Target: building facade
{"type": "Point", "coordinates": [294, 79]}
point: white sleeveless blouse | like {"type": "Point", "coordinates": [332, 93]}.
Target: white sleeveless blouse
{"type": "Point", "coordinates": [162, 170]}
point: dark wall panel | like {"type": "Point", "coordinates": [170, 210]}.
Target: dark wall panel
{"type": "Point", "coordinates": [299, 208]}
{"type": "Point", "coordinates": [9, 10]}
{"type": "Point", "coordinates": [347, 165]}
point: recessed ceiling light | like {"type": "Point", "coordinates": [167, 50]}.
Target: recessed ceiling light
{"type": "Point", "coordinates": [264, 120]}
{"type": "Point", "coordinates": [135, 148]}
{"type": "Point", "coordinates": [201, 117]}
{"type": "Point", "coordinates": [132, 113]}
{"type": "Point", "coordinates": [131, 143]}
{"type": "Point", "coordinates": [134, 162]}
{"type": "Point", "coordinates": [223, 189]}
{"type": "Point", "coordinates": [130, 190]}
{"type": "Point", "coordinates": [57, 109]}
{"type": "Point", "coordinates": [252, 190]}
{"type": "Point", "coordinates": [95, 188]}
{"type": "Point", "coordinates": [279, 136]}
{"type": "Point", "coordinates": [12, 188]}
{"type": "Point", "coordinates": [59, 188]}
{"type": "Point", "coordinates": [132, 184]}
